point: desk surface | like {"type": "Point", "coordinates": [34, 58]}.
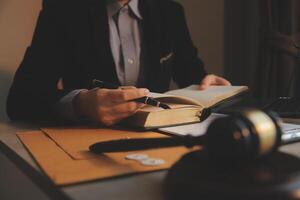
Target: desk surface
{"type": "Point", "coordinates": [142, 187]}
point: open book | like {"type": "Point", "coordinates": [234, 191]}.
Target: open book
{"type": "Point", "coordinates": [187, 106]}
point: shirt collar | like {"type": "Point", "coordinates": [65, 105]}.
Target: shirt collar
{"type": "Point", "coordinates": [113, 7]}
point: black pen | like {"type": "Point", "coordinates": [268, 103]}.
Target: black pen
{"type": "Point", "coordinates": [145, 100]}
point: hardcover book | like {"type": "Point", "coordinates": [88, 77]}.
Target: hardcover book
{"type": "Point", "coordinates": [188, 105]}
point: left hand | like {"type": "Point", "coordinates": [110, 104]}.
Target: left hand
{"type": "Point", "coordinates": [212, 79]}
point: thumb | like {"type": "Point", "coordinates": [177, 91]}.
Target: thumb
{"type": "Point", "coordinates": [203, 86]}
{"type": "Point", "coordinates": [206, 82]}
{"type": "Point", "coordinates": [222, 81]}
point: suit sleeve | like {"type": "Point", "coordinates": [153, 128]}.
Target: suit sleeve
{"type": "Point", "coordinates": [34, 92]}
{"type": "Point", "coordinates": [188, 67]}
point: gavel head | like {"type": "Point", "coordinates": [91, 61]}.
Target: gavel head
{"type": "Point", "coordinates": [247, 134]}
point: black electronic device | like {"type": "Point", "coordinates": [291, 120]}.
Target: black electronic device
{"type": "Point", "coordinates": [285, 107]}
{"type": "Point", "coordinates": [289, 107]}
{"type": "Point", "coordinates": [247, 134]}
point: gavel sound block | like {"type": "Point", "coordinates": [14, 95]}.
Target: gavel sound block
{"type": "Point", "coordinates": [238, 161]}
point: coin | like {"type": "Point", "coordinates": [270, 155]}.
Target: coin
{"type": "Point", "coordinates": [138, 157]}
{"type": "Point", "coordinates": [152, 162]}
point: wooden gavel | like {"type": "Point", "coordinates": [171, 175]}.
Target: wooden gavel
{"type": "Point", "coordinates": [247, 134]}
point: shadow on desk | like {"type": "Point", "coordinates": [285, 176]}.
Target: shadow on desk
{"type": "Point", "coordinates": [196, 176]}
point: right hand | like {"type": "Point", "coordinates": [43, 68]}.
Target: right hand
{"type": "Point", "coordinates": [109, 107]}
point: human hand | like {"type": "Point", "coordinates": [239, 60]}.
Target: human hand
{"type": "Point", "coordinates": [107, 106]}
{"type": "Point", "coordinates": [212, 79]}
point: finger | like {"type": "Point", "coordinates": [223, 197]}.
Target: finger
{"type": "Point", "coordinates": [222, 81]}
{"type": "Point", "coordinates": [104, 96]}
{"type": "Point", "coordinates": [112, 120]}
{"type": "Point", "coordinates": [127, 87]}
{"type": "Point", "coordinates": [127, 108]}
{"type": "Point", "coordinates": [206, 82]}
{"type": "Point", "coordinates": [202, 87]}
{"type": "Point", "coordinates": [113, 114]}
{"type": "Point", "coordinates": [120, 96]}
{"type": "Point", "coordinates": [210, 80]}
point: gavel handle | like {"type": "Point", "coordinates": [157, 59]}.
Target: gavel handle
{"type": "Point", "coordinates": [144, 144]}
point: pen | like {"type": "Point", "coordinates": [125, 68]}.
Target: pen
{"type": "Point", "coordinates": [145, 100]}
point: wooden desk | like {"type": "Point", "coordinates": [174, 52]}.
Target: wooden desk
{"type": "Point", "coordinates": [142, 187]}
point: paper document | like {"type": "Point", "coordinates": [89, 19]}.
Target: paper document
{"type": "Point", "coordinates": [192, 129]}
{"type": "Point", "coordinates": [290, 131]}
{"type": "Point", "coordinates": [63, 154]}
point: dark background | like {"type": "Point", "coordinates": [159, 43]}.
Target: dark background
{"type": "Point", "coordinates": [225, 32]}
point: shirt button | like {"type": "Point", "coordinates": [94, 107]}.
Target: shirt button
{"type": "Point", "coordinates": [130, 61]}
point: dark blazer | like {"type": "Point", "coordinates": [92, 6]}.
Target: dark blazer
{"type": "Point", "coordinates": [71, 42]}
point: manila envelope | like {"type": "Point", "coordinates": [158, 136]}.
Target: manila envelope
{"type": "Point", "coordinates": [63, 154]}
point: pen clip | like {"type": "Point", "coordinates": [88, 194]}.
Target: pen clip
{"type": "Point", "coordinates": [97, 83]}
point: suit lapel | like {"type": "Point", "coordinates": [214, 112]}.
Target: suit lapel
{"type": "Point", "coordinates": [152, 39]}
{"type": "Point", "coordinates": [104, 67]}
{"type": "Point", "coordinates": [104, 64]}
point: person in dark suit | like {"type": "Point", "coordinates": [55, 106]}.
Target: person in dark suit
{"type": "Point", "coordinates": [140, 44]}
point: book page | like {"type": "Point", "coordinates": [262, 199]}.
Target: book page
{"type": "Point", "coordinates": [175, 99]}
{"type": "Point", "coordinates": [210, 96]}
{"type": "Point", "coordinates": [157, 95]}
{"type": "Point", "coordinates": [173, 106]}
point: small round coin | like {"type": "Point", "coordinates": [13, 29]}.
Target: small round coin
{"type": "Point", "coordinates": [153, 162]}
{"type": "Point", "coordinates": [138, 157]}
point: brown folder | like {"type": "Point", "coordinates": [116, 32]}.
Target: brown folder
{"type": "Point", "coordinates": [63, 154]}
